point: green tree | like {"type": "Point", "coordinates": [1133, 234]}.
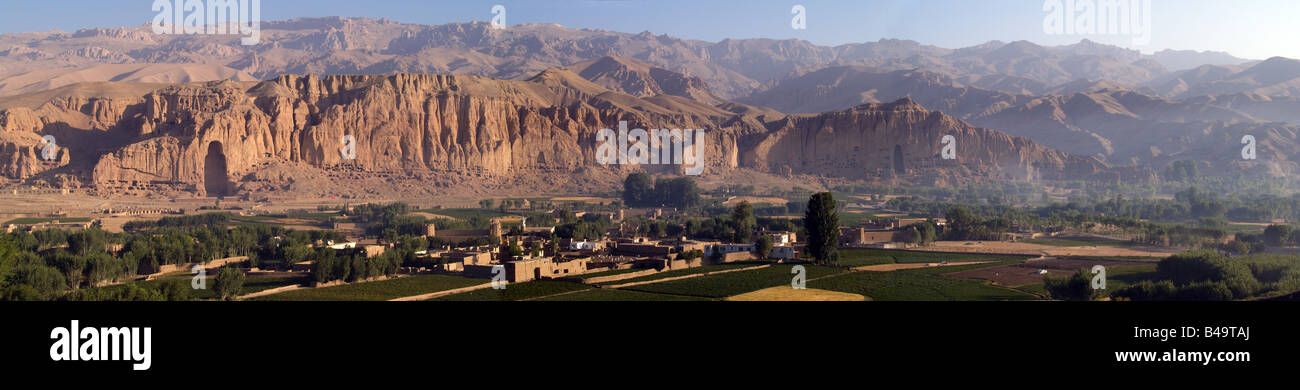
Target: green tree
{"type": "Point", "coordinates": [638, 190]}
{"type": "Point", "coordinates": [927, 232]}
{"type": "Point", "coordinates": [822, 223]}
{"type": "Point", "coordinates": [763, 248]}
{"type": "Point", "coordinates": [513, 250]}
{"type": "Point", "coordinates": [1181, 170]}
{"type": "Point", "coordinates": [1277, 235]}
{"type": "Point", "coordinates": [908, 234]}
{"type": "Point", "coordinates": [1077, 287]}
{"type": "Point", "coordinates": [228, 282]}
{"type": "Point", "coordinates": [87, 242]}
{"type": "Point", "coordinates": [680, 192]}
{"type": "Point", "coordinates": [742, 218]}
{"type": "Point", "coordinates": [962, 225]}
{"type": "Point", "coordinates": [71, 266]}
{"type": "Point", "coordinates": [176, 290]}
{"type": "Point", "coordinates": [41, 281]}
{"type": "Point", "coordinates": [322, 270]}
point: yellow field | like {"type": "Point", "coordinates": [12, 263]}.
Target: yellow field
{"type": "Point", "coordinates": [755, 200]}
{"type": "Point", "coordinates": [1026, 248]}
{"type": "Point", "coordinates": [786, 293]}
{"type": "Point", "coordinates": [432, 216]}
{"type": "Point", "coordinates": [588, 199]}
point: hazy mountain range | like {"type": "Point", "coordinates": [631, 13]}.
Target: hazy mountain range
{"type": "Point", "coordinates": [863, 111]}
{"type": "Point", "coordinates": [732, 67]}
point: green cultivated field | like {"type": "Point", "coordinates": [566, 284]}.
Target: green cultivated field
{"type": "Point", "coordinates": [517, 291]}
{"type": "Point", "coordinates": [864, 257]}
{"type": "Point", "coordinates": [852, 218]}
{"type": "Point", "coordinates": [463, 214]}
{"type": "Point", "coordinates": [1036, 289]}
{"type": "Point", "coordinates": [607, 273]}
{"type": "Point", "coordinates": [1116, 278]}
{"type": "Point", "coordinates": [924, 284]}
{"type": "Point", "coordinates": [733, 283]}
{"type": "Point", "coordinates": [254, 285]}
{"type": "Point", "coordinates": [692, 271]}
{"type": "Point", "coordinates": [251, 285]}
{"type": "Point", "coordinates": [617, 295]}
{"type": "Point", "coordinates": [29, 221]}
{"type": "Point", "coordinates": [377, 291]}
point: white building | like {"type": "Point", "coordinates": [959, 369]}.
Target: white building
{"type": "Point", "coordinates": [342, 245]}
{"type": "Point", "coordinates": [785, 252]}
{"type": "Point", "coordinates": [584, 245]}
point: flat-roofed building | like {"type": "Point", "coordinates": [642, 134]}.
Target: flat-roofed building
{"type": "Point", "coordinates": [375, 250]}
{"type": "Point", "coordinates": [543, 267]}
{"type": "Point", "coordinates": [468, 257]}
{"type": "Point", "coordinates": [864, 236]}
{"type": "Point", "coordinates": [782, 238]}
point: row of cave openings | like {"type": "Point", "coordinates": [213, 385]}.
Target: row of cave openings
{"type": "Point", "coordinates": [216, 179]}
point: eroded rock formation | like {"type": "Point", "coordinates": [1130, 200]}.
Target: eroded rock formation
{"type": "Point", "coordinates": [433, 125]}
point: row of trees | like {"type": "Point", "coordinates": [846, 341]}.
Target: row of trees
{"type": "Point", "coordinates": [920, 233]}
{"type": "Point", "coordinates": [1190, 204]}
{"type": "Point", "coordinates": [641, 190]}
{"type": "Point", "coordinates": [1198, 276]}
{"type": "Point", "coordinates": [353, 266]}
{"type": "Point", "coordinates": [589, 227]}
{"type": "Point", "coordinates": [1207, 275]}
{"type": "Point", "coordinates": [47, 263]}
{"type": "Point", "coordinates": [190, 221]}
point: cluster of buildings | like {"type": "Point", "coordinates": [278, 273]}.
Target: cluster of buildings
{"type": "Point", "coordinates": [879, 232]}
{"type": "Point", "coordinates": [548, 257]}
{"type": "Point", "coordinates": [49, 224]}
{"type": "Point", "coordinates": [559, 258]}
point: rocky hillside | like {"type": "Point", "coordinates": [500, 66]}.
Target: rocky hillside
{"type": "Point", "coordinates": [904, 138]}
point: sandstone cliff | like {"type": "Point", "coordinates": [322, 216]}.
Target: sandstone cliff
{"type": "Point", "coordinates": [905, 139]}
{"type": "Point", "coordinates": [436, 128]}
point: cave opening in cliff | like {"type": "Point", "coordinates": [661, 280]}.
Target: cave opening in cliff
{"type": "Point", "coordinates": [215, 180]}
{"type": "Point", "coordinates": [898, 160]}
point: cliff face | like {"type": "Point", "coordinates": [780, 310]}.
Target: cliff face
{"type": "Point", "coordinates": [184, 136]}
{"type": "Point", "coordinates": [902, 139]}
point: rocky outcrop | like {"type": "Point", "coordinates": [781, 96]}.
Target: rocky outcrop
{"type": "Point", "coordinates": [640, 79]}
{"type": "Point", "coordinates": [904, 139]}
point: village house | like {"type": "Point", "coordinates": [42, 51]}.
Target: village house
{"type": "Point", "coordinates": [460, 235]}
{"type": "Point", "coordinates": [860, 236]}
{"type": "Point", "coordinates": [543, 267]}
{"type": "Point", "coordinates": [727, 253]}
{"type": "Point", "coordinates": [54, 224]}
{"type": "Point", "coordinates": [640, 247]}
{"type": "Point", "coordinates": [468, 257]}
{"type": "Point", "coordinates": [586, 245]}
{"type": "Point", "coordinates": [740, 252]}
{"type": "Point", "coordinates": [340, 245]}
{"type": "Point", "coordinates": [375, 250]}
{"type": "Point", "coordinates": [782, 238]}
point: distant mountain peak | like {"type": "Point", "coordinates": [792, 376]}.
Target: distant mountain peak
{"type": "Point", "coordinates": [905, 102]}
{"type": "Point", "coordinates": [637, 78]}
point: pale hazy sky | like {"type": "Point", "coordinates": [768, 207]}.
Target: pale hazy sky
{"type": "Point", "coordinates": [1255, 29]}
